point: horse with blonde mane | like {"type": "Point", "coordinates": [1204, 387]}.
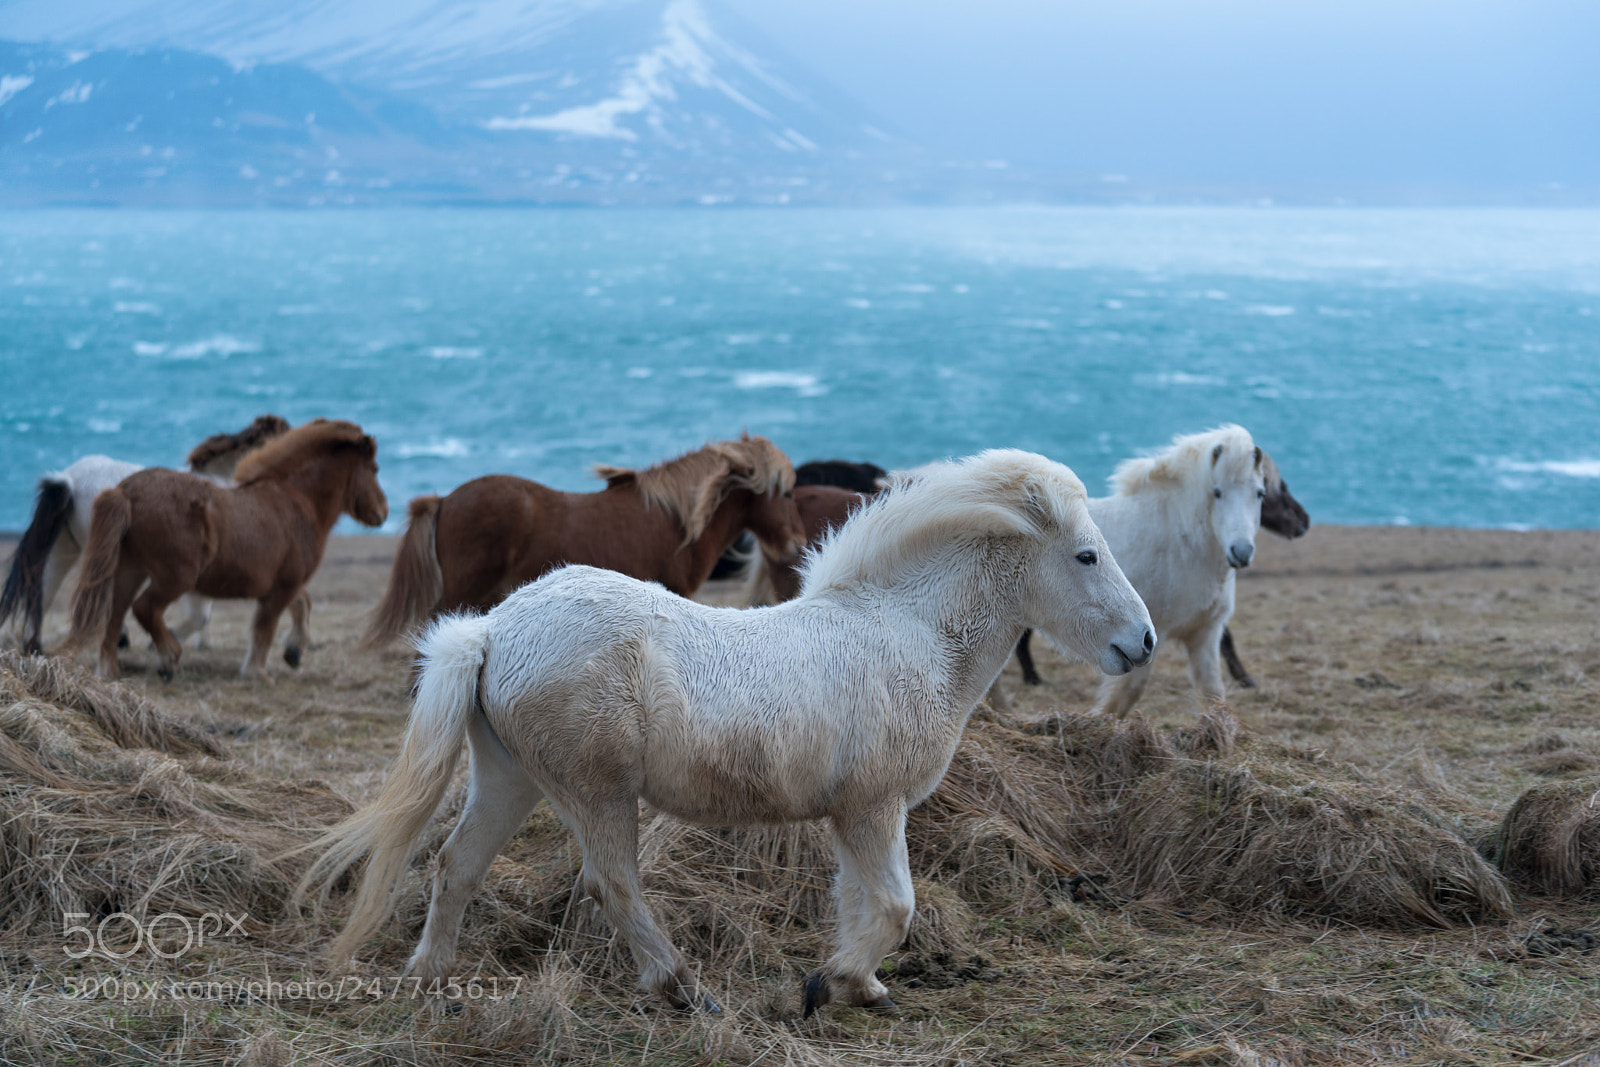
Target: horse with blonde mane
{"type": "Point", "coordinates": [1181, 522]}
{"type": "Point", "coordinates": [56, 535]}
{"type": "Point", "coordinates": [1281, 514]}
{"type": "Point", "coordinates": [261, 540]}
{"type": "Point", "coordinates": [595, 690]}
{"type": "Point", "coordinates": [668, 523]}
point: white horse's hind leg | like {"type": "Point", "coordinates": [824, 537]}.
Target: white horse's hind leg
{"type": "Point", "coordinates": [62, 558]}
{"type": "Point", "coordinates": [876, 903]}
{"type": "Point", "coordinates": [196, 614]}
{"type": "Point", "coordinates": [608, 831]}
{"type": "Point", "coordinates": [1117, 696]}
{"type": "Point", "coordinates": [500, 794]}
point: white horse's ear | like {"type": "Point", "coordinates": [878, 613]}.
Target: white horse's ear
{"type": "Point", "coordinates": [1258, 457]}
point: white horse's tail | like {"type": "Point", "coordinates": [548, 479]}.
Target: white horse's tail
{"type": "Point", "coordinates": [390, 827]}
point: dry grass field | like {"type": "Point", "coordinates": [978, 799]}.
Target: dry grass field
{"type": "Point", "coordinates": [1311, 891]}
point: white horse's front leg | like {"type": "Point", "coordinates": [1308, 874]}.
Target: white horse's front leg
{"type": "Point", "coordinates": [1205, 663]}
{"type": "Point", "coordinates": [1118, 695]}
{"type": "Point", "coordinates": [500, 795]}
{"type": "Point", "coordinates": [876, 903]}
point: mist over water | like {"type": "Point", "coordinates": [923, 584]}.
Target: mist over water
{"type": "Point", "coordinates": [1437, 367]}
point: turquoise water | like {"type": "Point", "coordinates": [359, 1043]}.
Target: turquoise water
{"type": "Point", "coordinates": [1438, 367]}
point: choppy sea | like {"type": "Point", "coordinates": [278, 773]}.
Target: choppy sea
{"type": "Point", "coordinates": [1403, 366]}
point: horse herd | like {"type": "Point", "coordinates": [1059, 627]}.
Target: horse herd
{"type": "Point", "coordinates": [561, 651]}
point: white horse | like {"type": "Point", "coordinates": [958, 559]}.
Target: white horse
{"type": "Point", "coordinates": [1181, 523]}
{"type": "Point", "coordinates": [596, 690]}
{"type": "Point", "coordinates": [56, 535]}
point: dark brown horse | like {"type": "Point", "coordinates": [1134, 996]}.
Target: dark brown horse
{"type": "Point", "coordinates": [822, 507]}
{"type": "Point", "coordinates": [667, 524]}
{"type": "Point", "coordinates": [1281, 514]}
{"type": "Point", "coordinates": [261, 540]}
{"type": "Point", "coordinates": [219, 455]}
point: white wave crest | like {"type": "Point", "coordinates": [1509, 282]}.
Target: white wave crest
{"type": "Point", "coordinates": [449, 448]}
{"type": "Point", "coordinates": [1575, 468]}
{"type": "Point", "coordinates": [221, 344]}
{"type": "Point", "coordinates": [804, 384]}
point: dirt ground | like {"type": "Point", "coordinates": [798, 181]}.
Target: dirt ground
{"type": "Point", "coordinates": [1461, 663]}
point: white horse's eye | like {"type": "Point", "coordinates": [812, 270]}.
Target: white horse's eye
{"type": "Point", "coordinates": [1087, 558]}
{"type": "Point", "coordinates": [1217, 492]}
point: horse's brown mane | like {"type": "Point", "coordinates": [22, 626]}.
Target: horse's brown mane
{"type": "Point", "coordinates": [218, 445]}
{"type": "Point", "coordinates": [692, 486]}
{"type": "Point", "coordinates": [288, 453]}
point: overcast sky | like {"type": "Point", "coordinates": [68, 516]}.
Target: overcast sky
{"type": "Point", "coordinates": [1456, 93]}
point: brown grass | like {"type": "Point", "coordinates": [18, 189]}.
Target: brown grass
{"type": "Point", "coordinates": [1305, 891]}
{"type": "Point", "coordinates": [108, 805]}
{"type": "Point", "coordinates": [1549, 841]}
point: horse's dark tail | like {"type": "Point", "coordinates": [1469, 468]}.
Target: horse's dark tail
{"type": "Point", "coordinates": [24, 589]}
{"type": "Point", "coordinates": [416, 582]}
{"type": "Point", "coordinates": [97, 578]}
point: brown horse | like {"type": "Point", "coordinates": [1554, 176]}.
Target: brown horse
{"type": "Point", "coordinates": [666, 524]}
{"type": "Point", "coordinates": [261, 540]}
{"type": "Point", "coordinates": [1281, 514]}
{"type": "Point", "coordinates": [822, 508]}
{"type": "Point", "coordinates": [59, 530]}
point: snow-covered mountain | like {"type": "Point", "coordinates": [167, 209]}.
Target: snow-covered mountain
{"type": "Point", "coordinates": [519, 99]}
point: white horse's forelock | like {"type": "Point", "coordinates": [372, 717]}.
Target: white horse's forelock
{"type": "Point", "coordinates": [1001, 492]}
{"type": "Point", "coordinates": [1177, 463]}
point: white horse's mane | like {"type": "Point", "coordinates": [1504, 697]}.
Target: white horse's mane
{"type": "Point", "coordinates": [1174, 465]}
{"type": "Point", "coordinates": [1001, 492]}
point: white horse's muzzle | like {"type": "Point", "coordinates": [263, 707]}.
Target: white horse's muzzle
{"type": "Point", "coordinates": [1240, 553]}
{"type": "Point", "coordinates": [1129, 650]}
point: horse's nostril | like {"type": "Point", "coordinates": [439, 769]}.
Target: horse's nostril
{"type": "Point", "coordinates": [1149, 641]}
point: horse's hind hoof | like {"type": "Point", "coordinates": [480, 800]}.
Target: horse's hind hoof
{"type": "Point", "coordinates": [291, 656]}
{"type": "Point", "coordinates": [164, 673]}
{"type": "Point", "coordinates": [709, 1006]}
{"type": "Point", "coordinates": [877, 1004]}
{"type": "Point", "coordinates": [816, 994]}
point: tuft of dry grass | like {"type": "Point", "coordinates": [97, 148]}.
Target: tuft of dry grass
{"type": "Point", "coordinates": [1549, 842]}
{"type": "Point", "coordinates": [110, 806]}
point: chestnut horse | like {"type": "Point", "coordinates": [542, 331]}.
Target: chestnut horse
{"type": "Point", "coordinates": [59, 529]}
{"type": "Point", "coordinates": [1281, 514]}
{"type": "Point", "coordinates": [667, 524]}
{"type": "Point", "coordinates": [261, 540]}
